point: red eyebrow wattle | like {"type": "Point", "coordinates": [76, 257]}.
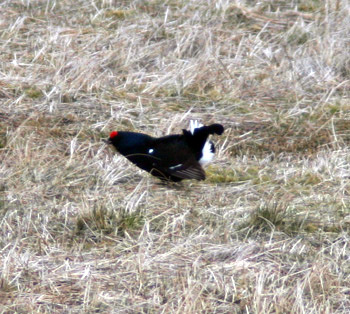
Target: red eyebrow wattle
{"type": "Point", "coordinates": [113, 134]}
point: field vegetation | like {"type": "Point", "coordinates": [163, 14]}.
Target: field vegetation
{"type": "Point", "coordinates": [82, 230]}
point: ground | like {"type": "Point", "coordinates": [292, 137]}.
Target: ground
{"type": "Point", "coordinates": [84, 230]}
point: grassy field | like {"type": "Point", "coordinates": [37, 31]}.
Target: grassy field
{"type": "Point", "coordinates": [82, 230]}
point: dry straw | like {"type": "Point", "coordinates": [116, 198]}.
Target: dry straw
{"type": "Point", "coordinates": [83, 230]}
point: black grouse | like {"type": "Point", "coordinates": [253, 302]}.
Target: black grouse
{"type": "Point", "coordinates": [173, 157]}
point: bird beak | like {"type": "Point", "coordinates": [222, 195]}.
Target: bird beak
{"type": "Point", "coordinates": [107, 141]}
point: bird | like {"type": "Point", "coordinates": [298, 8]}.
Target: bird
{"type": "Point", "coordinates": [170, 158]}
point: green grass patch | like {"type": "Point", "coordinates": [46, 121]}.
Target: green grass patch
{"type": "Point", "coordinates": [119, 14]}
{"type": "Point", "coordinates": [308, 178]}
{"type": "Point", "coordinates": [3, 140]}
{"type": "Point", "coordinates": [272, 216]}
{"type": "Point", "coordinates": [303, 135]}
{"type": "Point", "coordinates": [33, 92]}
{"type": "Point", "coordinates": [298, 37]}
{"type": "Point", "coordinates": [6, 286]}
{"type": "Point", "coordinates": [231, 175]}
{"type": "Point", "coordinates": [104, 221]}
{"type": "Point", "coordinates": [311, 6]}
{"type": "Point", "coordinates": [278, 216]}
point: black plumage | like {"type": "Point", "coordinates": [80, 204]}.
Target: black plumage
{"type": "Point", "coordinates": [173, 157]}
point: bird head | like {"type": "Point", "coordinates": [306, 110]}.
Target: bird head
{"type": "Point", "coordinates": [112, 138]}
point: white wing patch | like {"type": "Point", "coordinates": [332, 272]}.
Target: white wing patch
{"type": "Point", "coordinates": [174, 167]}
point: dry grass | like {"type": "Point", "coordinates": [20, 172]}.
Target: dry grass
{"type": "Point", "coordinates": [83, 230]}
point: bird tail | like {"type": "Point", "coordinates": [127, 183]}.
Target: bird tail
{"type": "Point", "coordinates": [198, 135]}
{"type": "Point", "coordinates": [195, 124]}
{"type": "Point", "coordinates": [215, 128]}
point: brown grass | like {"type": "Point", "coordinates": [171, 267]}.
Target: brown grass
{"type": "Point", "coordinates": [83, 230]}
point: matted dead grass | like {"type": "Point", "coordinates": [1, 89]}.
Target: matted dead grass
{"type": "Point", "coordinates": [83, 230]}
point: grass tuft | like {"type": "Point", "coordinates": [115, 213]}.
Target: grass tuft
{"type": "Point", "coordinates": [270, 217]}
{"type": "Point", "coordinates": [33, 92]}
{"type": "Point", "coordinates": [119, 14]}
{"type": "Point", "coordinates": [104, 221]}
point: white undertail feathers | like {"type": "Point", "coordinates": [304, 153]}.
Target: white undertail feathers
{"type": "Point", "coordinates": [208, 148]}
